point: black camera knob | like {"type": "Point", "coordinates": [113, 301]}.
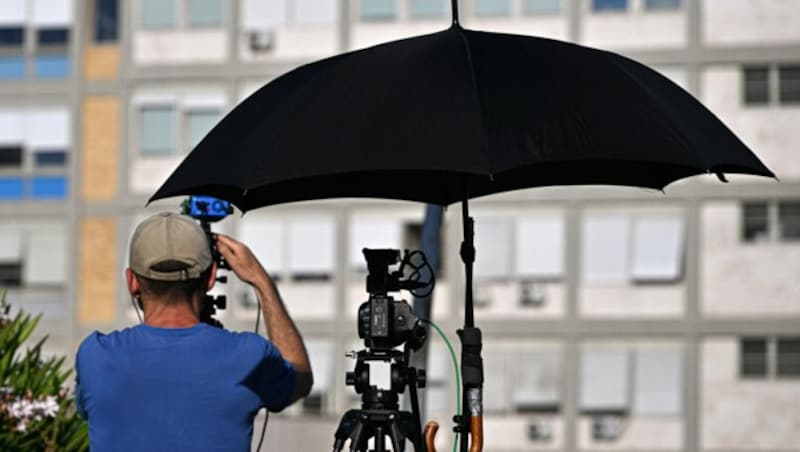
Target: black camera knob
{"type": "Point", "coordinates": [350, 378]}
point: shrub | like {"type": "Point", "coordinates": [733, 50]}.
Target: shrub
{"type": "Point", "coordinates": [37, 412]}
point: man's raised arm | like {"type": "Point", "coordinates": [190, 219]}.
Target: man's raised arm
{"type": "Point", "coordinates": [281, 330]}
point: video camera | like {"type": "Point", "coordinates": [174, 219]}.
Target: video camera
{"type": "Point", "coordinates": [383, 322]}
{"type": "Point", "coordinates": [207, 210]}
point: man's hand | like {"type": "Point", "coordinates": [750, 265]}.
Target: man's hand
{"type": "Point", "coordinates": [241, 260]}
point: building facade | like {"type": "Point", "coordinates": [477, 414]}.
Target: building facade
{"type": "Point", "coordinates": [614, 319]}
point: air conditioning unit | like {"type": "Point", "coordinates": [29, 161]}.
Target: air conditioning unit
{"type": "Point", "coordinates": [532, 295]}
{"type": "Point", "coordinates": [261, 40]}
{"type": "Point", "coordinates": [606, 428]}
{"type": "Point", "coordinates": [540, 430]}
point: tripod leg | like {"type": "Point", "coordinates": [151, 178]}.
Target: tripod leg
{"type": "Point", "coordinates": [380, 440]}
{"type": "Point", "coordinates": [398, 440]}
{"type": "Point", "coordinates": [357, 438]}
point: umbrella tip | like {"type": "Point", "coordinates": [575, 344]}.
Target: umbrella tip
{"type": "Point", "coordinates": [721, 177]}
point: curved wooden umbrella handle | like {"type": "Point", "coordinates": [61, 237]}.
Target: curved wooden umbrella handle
{"type": "Point", "coordinates": [430, 432]}
{"type": "Point", "coordinates": [476, 432]}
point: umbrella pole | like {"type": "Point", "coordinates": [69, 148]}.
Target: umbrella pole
{"type": "Point", "coordinates": [471, 420]}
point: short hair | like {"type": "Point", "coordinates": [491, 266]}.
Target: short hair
{"type": "Point", "coordinates": [173, 292]}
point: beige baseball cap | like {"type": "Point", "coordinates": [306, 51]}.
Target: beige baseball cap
{"type": "Point", "coordinates": [169, 247]}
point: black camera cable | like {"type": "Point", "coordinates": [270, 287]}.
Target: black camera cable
{"type": "Point", "coordinates": [266, 410]}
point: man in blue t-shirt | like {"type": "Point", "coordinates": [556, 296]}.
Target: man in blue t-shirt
{"type": "Point", "coordinates": [175, 383]}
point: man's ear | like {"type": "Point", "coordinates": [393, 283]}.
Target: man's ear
{"type": "Point", "coordinates": [212, 277]}
{"type": "Point", "coordinates": [133, 284]}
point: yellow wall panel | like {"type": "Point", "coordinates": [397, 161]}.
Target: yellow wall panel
{"type": "Point", "coordinates": [101, 63]}
{"type": "Point", "coordinates": [98, 271]}
{"type": "Point", "coordinates": [99, 156]}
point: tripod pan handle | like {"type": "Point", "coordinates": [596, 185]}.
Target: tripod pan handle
{"type": "Point", "coordinates": [430, 432]}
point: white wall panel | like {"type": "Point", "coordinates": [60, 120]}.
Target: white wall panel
{"type": "Point", "coordinates": [312, 245]}
{"type": "Point", "coordinates": [52, 13]}
{"type": "Point", "coordinates": [12, 127]}
{"type": "Point", "coordinates": [48, 129]}
{"type": "Point", "coordinates": [263, 14]}
{"type": "Point", "coordinates": [12, 12]}
{"type": "Point", "coordinates": [604, 379]}
{"type": "Point", "coordinates": [46, 256]}
{"type": "Point", "coordinates": [658, 380]}
{"type": "Point", "coordinates": [605, 248]}
{"type": "Point", "coordinates": [265, 238]}
{"type": "Point", "coordinates": [540, 246]}
{"type": "Point", "coordinates": [372, 233]}
{"type": "Point", "coordinates": [658, 249]}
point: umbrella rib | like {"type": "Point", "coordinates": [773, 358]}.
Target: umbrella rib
{"type": "Point", "coordinates": [474, 80]}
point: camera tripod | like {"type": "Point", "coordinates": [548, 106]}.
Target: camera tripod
{"type": "Point", "coordinates": [380, 415]}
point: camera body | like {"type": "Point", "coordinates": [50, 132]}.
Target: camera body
{"type": "Point", "coordinates": [383, 322]}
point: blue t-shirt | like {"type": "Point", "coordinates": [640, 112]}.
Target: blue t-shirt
{"type": "Point", "coordinates": [172, 389]}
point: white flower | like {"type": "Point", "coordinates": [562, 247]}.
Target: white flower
{"type": "Point", "coordinates": [22, 426]}
{"type": "Point", "coordinates": [49, 406]}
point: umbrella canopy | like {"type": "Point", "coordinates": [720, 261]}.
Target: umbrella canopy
{"type": "Point", "coordinates": [458, 113]}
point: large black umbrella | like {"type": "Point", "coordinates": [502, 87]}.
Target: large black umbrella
{"type": "Point", "coordinates": [457, 114]}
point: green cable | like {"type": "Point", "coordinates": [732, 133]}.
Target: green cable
{"type": "Point", "coordinates": [458, 374]}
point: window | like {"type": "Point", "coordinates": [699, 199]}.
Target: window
{"type": "Point", "coordinates": [11, 156]}
{"type": "Point", "coordinates": [662, 5]}
{"type": "Point", "coordinates": [34, 144]}
{"type": "Point", "coordinates": [753, 362]}
{"type": "Point", "coordinates": [52, 36]}
{"type": "Point", "coordinates": [159, 13]}
{"type": "Point", "coordinates": [755, 222]}
{"type": "Point", "coordinates": [11, 36]}
{"type": "Point", "coordinates": [33, 255]}
{"type": "Point", "coordinates": [106, 21]}
{"type": "Point", "coordinates": [642, 248]}
{"type": "Point", "coordinates": [542, 6]}
{"type": "Point", "coordinates": [205, 13]}
{"type": "Point", "coordinates": [10, 257]}
{"type": "Point", "coordinates": [777, 84]}
{"type": "Point", "coordinates": [789, 84]}
{"type": "Point", "coordinates": [263, 14]}
{"type": "Point", "coordinates": [771, 221]}
{"type": "Point", "coordinates": [789, 220]}
{"type": "Point", "coordinates": [769, 357]}
{"type": "Point", "coordinates": [198, 124]}
{"type": "Point", "coordinates": [492, 8]}
{"type": "Point", "coordinates": [756, 85]}
{"type": "Point", "coordinates": [609, 5]}
{"type": "Point", "coordinates": [427, 9]}
{"type": "Point", "coordinates": [655, 388]}
{"type": "Point", "coordinates": [158, 130]}
{"type": "Point", "coordinates": [378, 10]}
{"type": "Point", "coordinates": [788, 357]}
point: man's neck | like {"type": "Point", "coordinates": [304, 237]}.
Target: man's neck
{"type": "Point", "coordinates": [172, 315]}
